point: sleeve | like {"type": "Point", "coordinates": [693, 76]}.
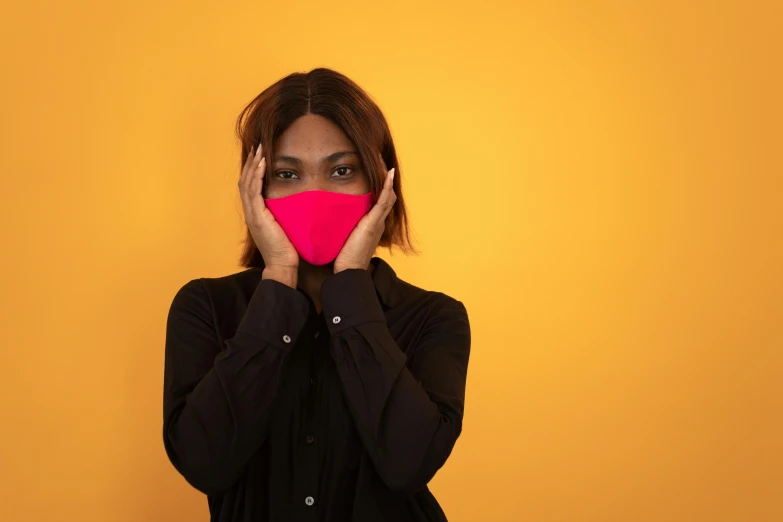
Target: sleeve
{"type": "Point", "coordinates": [216, 403]}
{"type": "Point", "coordinates": [408, 413]}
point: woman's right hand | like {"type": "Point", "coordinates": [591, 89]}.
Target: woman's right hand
{"type": "Point", "coordinates": [281, 260]}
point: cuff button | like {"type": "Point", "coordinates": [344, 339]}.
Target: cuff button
{"type": "Point", "coordinates": [286, 339]}
{"type": "Point", "coordinates": [336, 319]}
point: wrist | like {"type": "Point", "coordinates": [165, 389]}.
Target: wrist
{"type": "Point", "coordinates": [287, 276]}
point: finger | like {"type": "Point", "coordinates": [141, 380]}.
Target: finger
{"type": "Point", "coordinates": [253, 187]}
{"type": "Point", "coordinates": [386, 200]}
{"type": "Point", "coordinates": [257, 183]}
{"type": "Point", "coordinates": [391, 195]}
{"type": "Point", "coordinates": [245, 167]}
{"type": "Point", "coordinates": [248, 166]}
{"type": "Point", "coordinates": [245, 191]}
{"type": "Point", "coordinates": [387, 195]}
{"type": "Point", "coordinates": [243, 185]}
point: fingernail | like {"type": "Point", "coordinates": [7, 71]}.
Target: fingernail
{"type": "Point", "coordinates": [392, 173]}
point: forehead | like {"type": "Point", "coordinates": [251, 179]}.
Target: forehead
{"type": "Point", "coordinates": [312, 135]}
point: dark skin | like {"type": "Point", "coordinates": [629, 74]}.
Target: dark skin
{"type": "Point", "coordinates": [312, 154]}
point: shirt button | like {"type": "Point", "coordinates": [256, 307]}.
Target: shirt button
{"type": "Point", "coordinates": [316, 335]}
{"type": "Point", "coordinates": [336, 319]}
{"type": "Point", "coordinates": [309, 439]}
{"type": "Point", "coordinates": [309, 501]}
{"type": "Point", "coordinates": [286, 339]}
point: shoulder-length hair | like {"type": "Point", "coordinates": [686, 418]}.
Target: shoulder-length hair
{"type": "Point", "coordinates": [336, 97]}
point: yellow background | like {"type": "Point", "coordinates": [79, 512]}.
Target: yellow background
{"type": "Point", "coordinates": [599, 182]}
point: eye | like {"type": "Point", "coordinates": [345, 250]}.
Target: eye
{"type": "Point", "coordinates": [285, 174]}
{"type": "Point", "coordinates": [342, 171]}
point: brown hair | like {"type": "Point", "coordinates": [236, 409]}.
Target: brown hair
{"type": "Point", "coordinates": [334, 96]}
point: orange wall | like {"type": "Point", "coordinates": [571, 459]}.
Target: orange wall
{"type": "Point", "coordinates": [600, 184]}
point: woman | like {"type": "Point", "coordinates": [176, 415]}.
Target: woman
{"type": "Point", "coordinates": [315, 384]}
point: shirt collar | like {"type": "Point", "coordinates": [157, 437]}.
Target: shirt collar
{"type": "Point", "coordinates": [385, 280]}
{"type": "Point", "coordinates": [383, 277]}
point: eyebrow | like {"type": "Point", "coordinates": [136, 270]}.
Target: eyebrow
{"type": "Point", "coordinates": [327, 159]}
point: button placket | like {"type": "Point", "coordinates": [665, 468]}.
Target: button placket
{"type": "Point", "coordinates": [309, 461]}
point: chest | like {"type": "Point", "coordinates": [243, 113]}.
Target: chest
{"type": "Point", "coordinates": [311, 418]}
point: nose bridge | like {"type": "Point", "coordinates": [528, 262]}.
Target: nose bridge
{"type": "Point", "coordinates": [315, 179]}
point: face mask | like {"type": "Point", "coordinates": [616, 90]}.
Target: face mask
{"type": "Point", "coordinates": [318, 222]}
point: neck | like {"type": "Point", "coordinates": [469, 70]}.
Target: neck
{"type": "Point", "coordinates": [311, 278]}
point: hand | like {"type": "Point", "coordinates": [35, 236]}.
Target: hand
{"type": "Point", "coordinates": [280, 256]}
{"type": "Point", "coordinates": [363, 241]}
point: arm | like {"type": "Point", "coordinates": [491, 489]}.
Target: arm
{"type": "Point", "coordinates": [216, 403]}
{"type": "Point", "coordinates": [408, 419]}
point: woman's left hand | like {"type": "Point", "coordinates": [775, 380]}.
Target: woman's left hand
{"type": "Point", "coordinates": [360, 246]}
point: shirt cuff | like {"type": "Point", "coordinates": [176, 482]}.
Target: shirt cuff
{"type": "Point", "coordinates": [276, 314]}
{"type": "Point", "coordinates": [349, 299]}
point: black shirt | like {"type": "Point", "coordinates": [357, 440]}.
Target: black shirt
{"type": "Point", "coordinates": [279, 413]}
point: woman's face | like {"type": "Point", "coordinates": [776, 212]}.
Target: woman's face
{"type": "Point", "coordinates": [315, 154]}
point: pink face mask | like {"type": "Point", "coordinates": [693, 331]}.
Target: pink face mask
{"type": "Point", "coordinates": [318, 222]}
